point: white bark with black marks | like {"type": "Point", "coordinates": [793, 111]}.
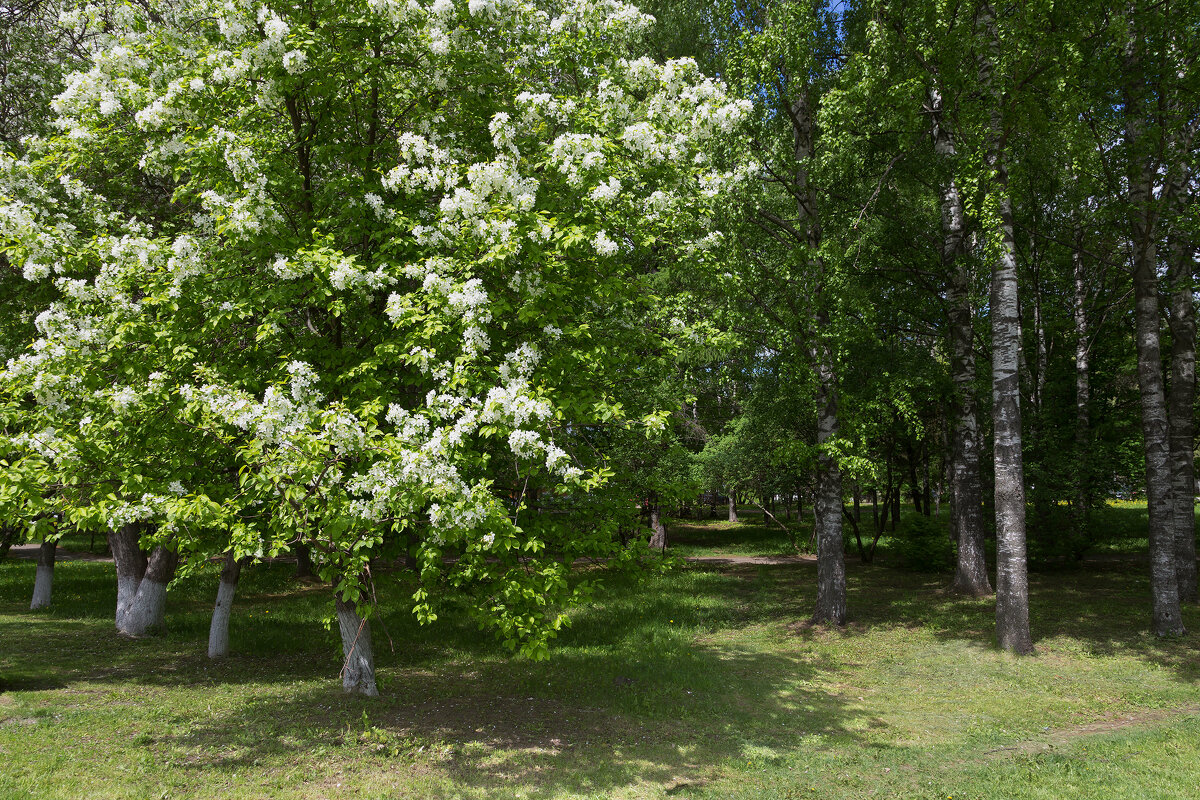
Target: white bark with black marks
{"type": "Point", "coordinates": [218, 630]}
{"type": "Point", "coordinates": [1182, 401]}
{"type": "Point", "coordinates": [1012, 578]}
{"type": "Point", "coordinates": [1166, 617]}
{"type": "Point", "coordinates": [970, 575]}
{"type": "Point", "coordinates": [43, 582]}
{"type": "Point", "coordinates": [358, 666]}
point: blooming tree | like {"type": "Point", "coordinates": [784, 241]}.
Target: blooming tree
{"type": "Point", "coordinates": [354, 271]}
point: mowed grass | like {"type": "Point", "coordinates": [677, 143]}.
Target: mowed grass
{"type": "Point", "coordinates": [705, 682]}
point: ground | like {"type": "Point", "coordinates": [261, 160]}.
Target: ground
{"type": "Point", "coordinates": [703, 682]}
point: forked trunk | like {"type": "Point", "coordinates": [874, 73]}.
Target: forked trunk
{"type": "Point", "coordinates": [130, 563]}
{"type": "Point", "coordinates": [218, 631]}
{"type": "Point", "coordinates": [43, 583]}
{"type": "Point", "coordinates": [1012, 580]}
{"type": "Point", "coordinates": [147, 610]}
{"type": "Point", "coordinates": [358, 667]}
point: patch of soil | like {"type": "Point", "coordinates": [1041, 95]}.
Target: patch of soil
{"type": "Point", "coordinates": [1066, 735]}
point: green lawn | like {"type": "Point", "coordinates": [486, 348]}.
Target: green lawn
{"type": "Point", "coordinates": [702, 683]}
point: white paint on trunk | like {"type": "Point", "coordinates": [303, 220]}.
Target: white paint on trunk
{"type": "Point", "coordinates": [42, 585]}
{"type": "Point", "coordinates": [127, 587]}
{"type": "Point", "coordinates": [146, 612]}
{"type": "Point", "coordinates": [218, 631]}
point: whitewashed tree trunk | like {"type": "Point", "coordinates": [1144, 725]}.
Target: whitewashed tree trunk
{"type": "Point", "coordinates": [970, 575]}
{"type": "Point", "coordinates": [358, 667]}
{"type": "Point", "coordinates": [43, 582]}
{"type": "Point", "coordinates": [218, 630]}
{"type": "Point", "coordinates": [131, 566]}
{"type": "Point", "coordinates": [147, 611]}
{"type": "Point", "coordinates": [1012, 579]}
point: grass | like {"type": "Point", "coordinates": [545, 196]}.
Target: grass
{"type": "Point", "coordinates": [702, 683]}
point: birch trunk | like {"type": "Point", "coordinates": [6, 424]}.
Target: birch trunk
{"type": "Point", "coordinates": [43, 583]}
{"type": "Point", "coordinates": [1083, 392]}
{"type": "Point", "coordinates": [1012, 580]}
{"type": "Point", "coordinates": [1164, 582]}
{"type": "Point", "coordinates": [358, 667]}
{"type": "Point", "coordinates": [131, 566]}
{"type": "Point", "coordinates": [218, 631]}
{"type": "Point", "coordinates": [831, 556]}
{"type": "Point", "coordinates": [970, 574]}
{"type": "Point", "coordinates": [147, 610]}
{"type": "Point", "coordinates": [1182, 400]}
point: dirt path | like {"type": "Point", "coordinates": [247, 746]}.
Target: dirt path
{"type": "Point", "coordinates": [753, 560]}
{"type": "Point", "coordinates": [1063, 736]}
{"type": "Point", "coordinates": [30, 552]}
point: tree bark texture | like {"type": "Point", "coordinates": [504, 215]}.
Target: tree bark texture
{"type": "Point", "coordinates": [827, 511]}
{"type": "Point", "coordinates": [43, 582]}
{"type": "Point", "coordinates": [1164, 582]}
{"type": "Point", "coordinates": [1012, 580]}
{"type": "Point", "coordinates": [1083, 393]}
{"type": "Point", "coordinates": [358, 667]}
{"type": "Point", "coordinates": [147, 610]}
{"type": "Point", "coordinates": [1182, 400]}
{"type": "Point", "coordinates": [130, 563]}
{"type": "Point", "coordinates": [733, 517]}
{"type": "Point", "coordinates": [970, 574]}
{"type": "Point", "coordinates": [218, 631]}
{"type": "Point", "coordinates": [658, 535]}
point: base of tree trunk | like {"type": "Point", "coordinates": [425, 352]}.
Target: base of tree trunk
{"type": "Point", "coordinates": [43, 582]}
{"type": "Point", "coordinates": [42, 585]}
{"type": "Point", "coordinates": [146, 613]}
{"type": "Point", "coordinates": [218, 631]}
{"type": "Point", "coordinates": [358, 668]}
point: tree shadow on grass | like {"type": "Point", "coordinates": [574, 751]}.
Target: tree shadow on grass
{"type": "Point", "coordinates": [581, 733]}
{"type": "Point", "coordinates": [1105, 605]}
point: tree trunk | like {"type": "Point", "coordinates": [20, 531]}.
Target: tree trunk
{"type": "Point", "coordinates": [218, 631]}
{"type": "Point", "coordinates": [358, 667]}
{"type": "Point", "coordinates": [8, 535]}
{"type": "Point", "coordinates": [831, 556]}
{"type": "Point", "coordinates": [1164, 582]}
{"type": "Point", "coordinates": [1012, 581]}
{"type": "Point", "coordinates": [733, 517]}
{"type": "Point", "coordinates": [970, 574]}
{"type": "Point", "coordinates": [658, 535]}
{"type": "Point", "coordinates": [304, 567]}
{"type": "Point", "coordinates": [1182, 401]}
{"type": "Point", "coordinates": [130, 562]}
{"type": "Point", "coordinates": [146, 611]}
{"type": "Point", "coordinates": [1083, 391]}
{"type": "Point", "coordinates": [43, 583]}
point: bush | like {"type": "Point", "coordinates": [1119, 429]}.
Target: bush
{"type": "Point", "coordinates": [923, 545]}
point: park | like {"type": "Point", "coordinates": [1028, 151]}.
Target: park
{"type": "Point", "coordinates": [582, 399]}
